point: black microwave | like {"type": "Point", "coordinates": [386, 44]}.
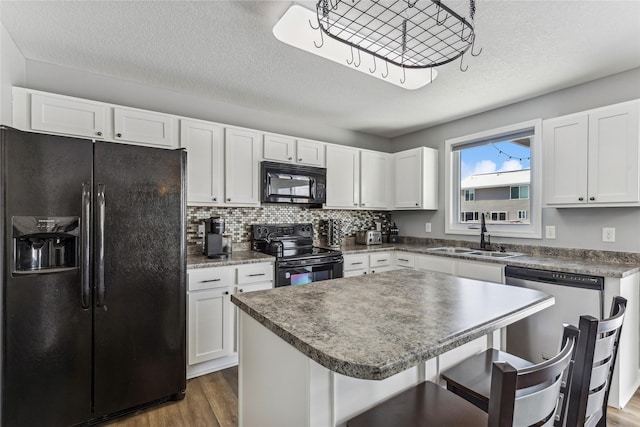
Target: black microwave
{"type": "Point", "coordinates": [289, 183]}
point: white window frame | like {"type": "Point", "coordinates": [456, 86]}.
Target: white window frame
{"type": "Point", "coordinates": [519, 192]}
{"type": "Point", "coordinates": [533, 230]}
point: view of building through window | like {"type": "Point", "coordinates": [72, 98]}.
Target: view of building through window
{"type": "Point", "coordinates": [495, 180]}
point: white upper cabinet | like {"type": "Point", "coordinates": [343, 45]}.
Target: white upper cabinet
{"type": "Point", "coordinates": [343, 177]}
{"type": "Point", "coordinates": [242, 156]}
{"type": "Point", "coordinates": [376, 180]}
{"type": "Point", "coordinates": [143, 127]}
{"type": "Point", "coordinates": [592, 158]}
{"type": "Point", "coordinates": [59, 114]}
{"type": "Point", "coordinates": [280, 148]}
{"type": "Point", "coordinates": [204, 143]}
{"type": "Point", "coordinates": [358, 179]}
{"type": "Point", "coordinates": [416, 179]}
{"type": "Point", "coordinates": [68, 116]}
{"type": "Point", "coordinates": [310, 152]}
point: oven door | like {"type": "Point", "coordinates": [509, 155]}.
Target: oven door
{"type": "Point", "coordinates": [303, 272]}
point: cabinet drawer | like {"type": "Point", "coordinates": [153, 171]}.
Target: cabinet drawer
{"type": "Point", "coordinates": [381, 269]}
{"type": "Point", "coordinates": [404, 259]}
{"type": "Point", "coordinates": [253, 273]}
{"type": "Point", "coordinates": [210, 278]}
{"type": "Point", "coordinates": [380, 259]}
{"type": "Point", "coordinates": [252, 288]}
{"type": "Point", "coordinates": [356, 262]}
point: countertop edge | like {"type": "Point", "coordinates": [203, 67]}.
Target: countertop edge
{"type": "Point", "coordinates": [368, 372]}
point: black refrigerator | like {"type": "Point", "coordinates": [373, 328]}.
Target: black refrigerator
{"type": "Point", "coordinates": [93, 279]}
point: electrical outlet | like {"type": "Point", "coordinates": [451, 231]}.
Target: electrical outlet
{"type": "Point", "coordinates": [550, 231]}
{"type": "Point", "coordinates": [608, 234]}
{"type": "Point", "coordinates": [200, 230]}
{"type": "Point", "coordinates": [427, 227]}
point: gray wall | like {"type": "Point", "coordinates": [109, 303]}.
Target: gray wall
{"type": "Point", "coordinates": [82, 84]}
{"type": "Point", "coordinates": [12, 72]}
{"type": "Point", "coordinates": [575, 228]}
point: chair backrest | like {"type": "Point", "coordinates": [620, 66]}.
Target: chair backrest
{"type": "Point", "coordinates": [595, 361]}
{"type": "Point", "coordinates": [530, 396]}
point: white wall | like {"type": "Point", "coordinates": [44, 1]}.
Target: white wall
{"type": "Point", "coordinates": [575, 228]}
{"type": "Point", "coordinates": [12, 72]}
{"type": "Point", "coordinates": [82, 84]}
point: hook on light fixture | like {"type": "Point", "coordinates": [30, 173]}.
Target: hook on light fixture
{"type": "Point", "coordinates": [384, 76]}
{"type": "Point", "coordinates": [473, 45]}
{"type": "Point", "coordinates": [352, 57]}
{"type": "Point", "coordinates": [374, 66]}
{"type": "Point", "coordinates": [312, 27]}
{"type": "Point", "coordinates": [359, 60]}
{"type": "Point", "coordinates": [404, 75]}
{"type": "Point", "coordinates": [465, 68]}
{"type": "Point", "coordinates": [321, 41]}
{"type": "Point", "coordinates": [438, 16]}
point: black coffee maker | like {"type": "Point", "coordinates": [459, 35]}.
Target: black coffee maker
{"type": "Point", "coordinates": [213, 239]}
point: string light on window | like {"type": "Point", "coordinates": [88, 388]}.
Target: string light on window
{"type": "Point", "coordinates": [510, 156]}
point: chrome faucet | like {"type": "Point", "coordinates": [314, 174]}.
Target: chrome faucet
{"type": "Point", "coordinates": [484, 244]}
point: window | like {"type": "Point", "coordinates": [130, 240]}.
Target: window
{"type": "Point", "coordinates": [499, 171]}
{"type": "Point", "coordinates": [469, 216]}
{"type": "Point", "coordinates": [520, 192]}
{"type": "Point", "coordinates": [498, 216]}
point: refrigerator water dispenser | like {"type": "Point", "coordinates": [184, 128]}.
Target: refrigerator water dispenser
{"type": "Point", "coordinates": [45, 244]}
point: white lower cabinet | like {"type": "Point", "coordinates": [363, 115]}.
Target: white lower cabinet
{"type": "Point", "coordinates": [212, 318]}
{"type": "Point", "coordinates": [359, 264]}
{"type": "Point", "coordinates": [210, 324]}
{"type": "Point", "coordinates": [480, 270]}
{"type": "Point", "coordinates": [477, 270]}
{"type": "Point", "coordinates": [435, 263]}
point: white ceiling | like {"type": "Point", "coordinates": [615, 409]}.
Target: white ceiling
{"type": "Point", "coordinates": [225, 50]}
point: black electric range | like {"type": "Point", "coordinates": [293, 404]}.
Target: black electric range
{"type": "Point", "coordinates": [298, 262]}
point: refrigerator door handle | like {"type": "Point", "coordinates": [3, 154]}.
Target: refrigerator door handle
{"type": "Point", "coordinates": [86, 241]}
{"type": "Point", "coordinates": [100, 246]}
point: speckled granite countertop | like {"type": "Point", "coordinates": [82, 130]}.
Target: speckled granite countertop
{"type": "Point", "coordinates": [375, 326]}
{"type": "Point", "coordinates": [237, 257]}
{"type": "Point", "coordinates": [584, 265]}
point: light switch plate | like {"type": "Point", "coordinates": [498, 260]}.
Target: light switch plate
{"type": "Point", "coordinates": [427, 227]}
{"type": "Point", "coordinates": [608, 234]}
{"type": "Point", "coordinates": [550, 231]}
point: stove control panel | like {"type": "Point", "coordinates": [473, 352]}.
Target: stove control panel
{"type": "Point", "coordinates": [268, 231]}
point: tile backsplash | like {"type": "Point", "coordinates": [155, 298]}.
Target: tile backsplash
{"type": "Point", "coordinates": [238, 220]}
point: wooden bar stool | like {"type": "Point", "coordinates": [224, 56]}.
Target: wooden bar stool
{"type": "Point", "coordinates": [471, 379]}
{"type": "Point", "coordinates": [527, 396]}
{"type": "Point", "coordinates": [593, 370]}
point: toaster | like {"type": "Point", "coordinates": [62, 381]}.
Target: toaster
{"type": "Point", "coordinates": [369, 237]}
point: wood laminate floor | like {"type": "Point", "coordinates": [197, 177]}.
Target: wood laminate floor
{"type": "Point", "coordinates": [212, 401]}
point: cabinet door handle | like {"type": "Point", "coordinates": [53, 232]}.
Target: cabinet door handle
{"type": "Point", "coordinates": [382, 260]}
{"type": "Point", "coordinates": [215, 199]}
{"type": "Point", "coordinates": [417, 204]}
{"type": "Point", "coordinates": [240, 290]}
{"type": "Point", "coordinates": [580, 199]}
{"type": "Point", "coordinates": [363, 204]}
{"type": "Point", "coordinates": [356, 263]}
{"type": "Point", "coordinates": [592, 198]}
{"type": "Point", "coordinates": [290, 158]}
{"type": "Point", "coordinates": [226, 292]}
{"type": "Point", "coordinates": [99, 133]}
{"type": "Point", "coordinates": [299, 160]}
{"type": "Point", "coordinates": [119, 135]}
{"type": "Point", "coordinates": [210, 280]}
{"type": "Point", "coordinates": [229, 199]}
{"type": "Point", "coordinates": [355, 204]}
{"type": "Point", "coordinates": [256, 274]}
{"type": "Point", "coordinates": [402, 259]}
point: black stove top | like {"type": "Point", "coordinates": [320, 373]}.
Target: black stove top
{"type": "Point", "coordinates": [288, 241]}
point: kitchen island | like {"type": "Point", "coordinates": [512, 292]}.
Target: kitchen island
{"type": "Point", "coordinates": [316, 355]}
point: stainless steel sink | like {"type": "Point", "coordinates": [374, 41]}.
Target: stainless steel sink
{"type": "Point", "coordinates": [492, 254]}
{"type": "Point", "coordinates": [451, 250]}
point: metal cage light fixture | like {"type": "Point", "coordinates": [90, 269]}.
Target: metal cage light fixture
{"type": "Point", "coordinates": [406, 33]}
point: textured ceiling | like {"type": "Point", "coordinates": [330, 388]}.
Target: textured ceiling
{"type": "Point", "coordinates": [225, 50]}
